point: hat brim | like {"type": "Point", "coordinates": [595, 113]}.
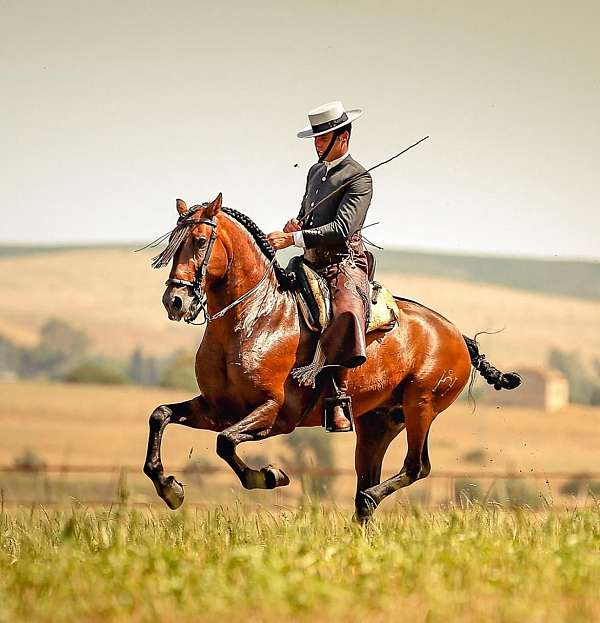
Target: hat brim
{"type": "Point", "coordinates": [353, 114]}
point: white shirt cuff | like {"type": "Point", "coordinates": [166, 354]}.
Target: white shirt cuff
{"type": "Point", "coordinates": [299, 239]}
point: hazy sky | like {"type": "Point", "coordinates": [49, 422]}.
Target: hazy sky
{"type": "Point", "coordinates": [110, 110]}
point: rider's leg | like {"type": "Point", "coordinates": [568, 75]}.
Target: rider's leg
{"type": "Point", "coordinates": [340, 422]}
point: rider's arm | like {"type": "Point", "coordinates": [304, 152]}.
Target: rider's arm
{"type": "Point", "coordinates": [348, 219]}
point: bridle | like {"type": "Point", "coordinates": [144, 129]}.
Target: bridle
{"type": "Point", "coordinates": [196, 284]}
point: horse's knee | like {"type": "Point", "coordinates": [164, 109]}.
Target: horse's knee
{"type": "Point", "coordinates": [225, 446]}
{"type": "Point", "coordinates": [160, 415]}
{"type": "Point", "coordinates": [414, 470]}
{"type": "Point", "coordinates": [425, 471]}
{"type": "Point", "coordinates": [150, 469]}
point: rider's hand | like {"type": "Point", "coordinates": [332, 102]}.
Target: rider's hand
{"type": "Point", "coordinates": [292, 225]}
{"type": "Point", "coordinates": [280, 239]}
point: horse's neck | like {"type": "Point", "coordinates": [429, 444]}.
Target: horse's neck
{"type": "Point", "coordinates": [247, 266]}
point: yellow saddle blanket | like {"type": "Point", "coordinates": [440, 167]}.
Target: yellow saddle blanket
{"type": "Point", "coordinates": [383, 312]}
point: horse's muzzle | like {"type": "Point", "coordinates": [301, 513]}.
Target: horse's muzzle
{"type": "Point", "coordinates": [179, 303]}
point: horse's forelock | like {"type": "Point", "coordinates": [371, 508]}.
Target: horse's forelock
{"type": "Point", "coordinates": [178, 235]}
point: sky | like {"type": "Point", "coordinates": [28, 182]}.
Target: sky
{"type": "Point", "coordinates": [109, 111]}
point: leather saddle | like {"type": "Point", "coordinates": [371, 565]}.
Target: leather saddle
{"type": "Point", "coordinates": [314, 300]}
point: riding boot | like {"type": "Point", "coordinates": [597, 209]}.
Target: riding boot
{"type": "Point", "coordinates": [339, 421]}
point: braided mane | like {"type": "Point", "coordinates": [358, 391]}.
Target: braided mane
{"type": "Point", "coordinates": [285, 280]}
{"type": "Point", "coordinates": [177, 236]}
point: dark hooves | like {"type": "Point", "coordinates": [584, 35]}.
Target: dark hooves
{"type": "Point", "coordinates": [172, 493]}
{"type": "Point", "coordinates": [275, 477]}
{"type": "Point", "coordinates": [365, 507]}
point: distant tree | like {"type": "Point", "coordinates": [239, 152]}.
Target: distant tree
{"type": "Point", "coordinates": [136, 366]}
{"type": "Point", "coordinates": [37, 361]}
{"type": "Point", "coordinates": [59, 337]}
{"type": "Point", "coordinates": [179, 372]}
{"type": "Point", "coordinates": [29, 459]}
{"type": "Point", "coordinates": [59, 348]}
{"type": "Point", "coordinates": [9, 355]}
{"type": "Point", "coordinates": [143, 370]}
{"type": "Point", "coordinates": [98, 372]}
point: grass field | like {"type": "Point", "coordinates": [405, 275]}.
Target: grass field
{"type": "Point", "coordinates": [468, 565]}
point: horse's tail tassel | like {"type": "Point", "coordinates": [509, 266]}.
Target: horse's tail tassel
{"type": "Point", "coordinates": [500, 380]}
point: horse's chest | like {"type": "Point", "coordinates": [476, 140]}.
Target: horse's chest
{"type": "Point", "coordinates": [232, 379]}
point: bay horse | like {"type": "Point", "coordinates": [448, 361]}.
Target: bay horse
{"type": "Point", "coordinates": [223, 264]}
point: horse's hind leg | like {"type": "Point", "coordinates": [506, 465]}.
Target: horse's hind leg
{"type": "Point", "coordinates": [194, 413]}
{"type": "Point", "coordinates": [419, 414]}
{"type": "Point", "coordinates": [259, 424]}
{"type": "Point", "coordinates": [374, 433]}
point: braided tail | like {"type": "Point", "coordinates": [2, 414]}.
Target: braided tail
{"type": "Point", "coordinates": [508, 380]}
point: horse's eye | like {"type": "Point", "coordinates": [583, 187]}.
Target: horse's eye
{"type": "Point", "coordinates": [201, 241]}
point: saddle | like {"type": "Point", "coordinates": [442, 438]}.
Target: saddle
{"type": "Point", "coordinates": [314, 300]}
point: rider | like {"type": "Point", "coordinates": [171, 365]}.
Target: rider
{"type": "Point", "coordinates": [331, 239]}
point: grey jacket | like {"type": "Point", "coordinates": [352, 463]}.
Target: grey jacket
{"type": "Point", "coordinates": [332, 224]}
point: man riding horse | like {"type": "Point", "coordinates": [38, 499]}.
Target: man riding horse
{"type": "Point", "coordinates": [252, 384]}
{"type": "Point", "coordinates": [328, 229]}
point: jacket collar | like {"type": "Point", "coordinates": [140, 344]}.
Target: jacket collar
{"type": "Point", "coordinates": [334, 163]}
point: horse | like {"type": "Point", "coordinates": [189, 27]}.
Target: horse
{"type": "Point", "coordinates": [223, 265]}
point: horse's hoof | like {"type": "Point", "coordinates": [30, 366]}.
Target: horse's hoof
{"type": "Point", "coordinates": [172, 493]}
{"type": "Point", "coordinates": [365, 507]}
{"type": "Point", "coordinates": [275, 477]}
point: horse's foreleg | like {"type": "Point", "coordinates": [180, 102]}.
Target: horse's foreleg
{"type": "Point", "coordinates": [258, 425]}
{"type": "Point", "coordinates": [374, 433]}
{"type": "Point", "coordinates": [195, 413]}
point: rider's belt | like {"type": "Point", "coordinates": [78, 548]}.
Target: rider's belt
{"type": "Point", "coordinates": [318, 257]}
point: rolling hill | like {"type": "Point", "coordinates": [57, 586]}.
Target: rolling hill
{"type": "Point", "coordinates": [114, 296]}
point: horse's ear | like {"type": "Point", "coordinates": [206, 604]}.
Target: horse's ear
{"type": "Point", "coordinates": [181, 207]}
{"type": "Point", "coordinates": [214, 207]}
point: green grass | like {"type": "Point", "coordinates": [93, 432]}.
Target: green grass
{"type": "Point", "coordinates": [473, 564]}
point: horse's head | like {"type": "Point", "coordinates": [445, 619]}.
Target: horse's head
{"type": "Point", "coordinates": [198, 255]}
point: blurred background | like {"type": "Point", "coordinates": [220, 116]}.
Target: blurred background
{"type": "Point", "coordinates": [108, 112]}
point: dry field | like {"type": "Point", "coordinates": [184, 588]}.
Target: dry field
{"type": "Point", "coordinates": [115, 297]}
{"type": "Point", "coordinates": [108, 426]}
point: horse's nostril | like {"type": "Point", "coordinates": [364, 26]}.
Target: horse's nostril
{"type": "Point", "coordinates": [177, 303]}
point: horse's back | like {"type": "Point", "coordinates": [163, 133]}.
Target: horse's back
{"type": "Point", "coordinates": [421, 346]}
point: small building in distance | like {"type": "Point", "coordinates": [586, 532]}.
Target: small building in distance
{"type": "Point", "coordinates": [541, 389]}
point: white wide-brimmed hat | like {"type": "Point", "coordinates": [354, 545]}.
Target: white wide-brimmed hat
{"type": "Point", "coordinates": [328, 117]}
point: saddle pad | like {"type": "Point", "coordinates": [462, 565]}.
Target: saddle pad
{"type": "Point", "coordinates": [383, 313]}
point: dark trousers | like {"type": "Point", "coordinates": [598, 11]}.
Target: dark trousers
{"type": "Point", "coordinates": [343, 341]}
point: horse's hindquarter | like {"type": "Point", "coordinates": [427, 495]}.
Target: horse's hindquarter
{"type": "Point", "coordinates": [424, 348]}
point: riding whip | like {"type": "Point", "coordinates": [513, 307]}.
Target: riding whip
{"type": "Point", "coordinates": [352, 179]}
